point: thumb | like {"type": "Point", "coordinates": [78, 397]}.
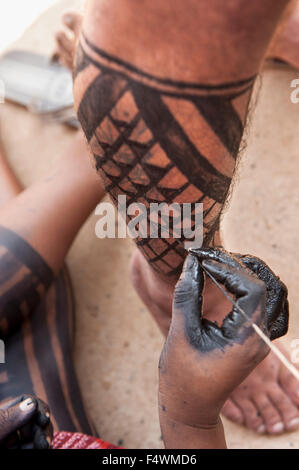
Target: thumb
{"type": "Point", "coordinates": [250, 293]}
{"type": "Point", "coordinates": [188, 291]}
{"type": "Point", "coordinates": [13, 418]}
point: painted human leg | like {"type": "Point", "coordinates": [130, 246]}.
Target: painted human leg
{"type": "Point", "coordinates": [44, 218]}
{"type": "Point", "coordinates": [157, 136]}
{"type": "Point", "coordinates": [163, 103]}
{"type": "Point", "coordinates": [36, 305]}
{"type": "Point", "coordinates": [39, 359]}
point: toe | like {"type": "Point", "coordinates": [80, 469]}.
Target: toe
{"type": "Point", "coordinates": [252, 417]}
{"type": "Point", "coordinates": [286, 408]}
{"type": "Point", "coordinates": [63, 57]}
{"type": "Point", "coordinates": [269, 414]}
{"type": "Point", "coordinates": [290, 385]}
{"type": "Point", "coordinates": [72, 20]}
{"type": "Point", "coordinates": [232, 412]}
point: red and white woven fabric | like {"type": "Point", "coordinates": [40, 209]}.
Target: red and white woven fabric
{"type": "Point", "coordinates": [69, 440]}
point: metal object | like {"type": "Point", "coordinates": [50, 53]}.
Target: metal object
{"type": "Point", "coordinates": [44, 87]}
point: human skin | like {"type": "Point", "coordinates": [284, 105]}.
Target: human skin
{"type": "Point", "coordinates": [203, 362]}
{"type": "Point", "coordinates": [37, 227]}
{"type": "Point", "coordinates": [163, 102]}
{"type": "Point", "coordinates": [45, 219]}
{"type": "Point", "coordinates": [25, 423]}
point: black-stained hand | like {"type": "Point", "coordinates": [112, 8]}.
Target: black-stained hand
{"type": "Point", "coordinates": [25, 424]}
{"type": "Point", "coordinates": [203, 362]}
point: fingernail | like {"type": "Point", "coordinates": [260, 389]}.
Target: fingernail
{"type": "Point", "coordinates": [47, 414]}
{"type": "Point", "coordinates": [27, 405]}
{"type": "Point", "coordinates": [261, 429]}
{"type": "Point", "coordinates": [294, 423]}
{"type": "Point", "coordinates": [278, 427]}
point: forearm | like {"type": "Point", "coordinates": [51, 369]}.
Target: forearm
{"type": "Point", "coordinates": [187, 422]}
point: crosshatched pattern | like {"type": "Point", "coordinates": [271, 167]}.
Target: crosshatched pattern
{"type": "Point", "coordinates": [141, 170]}
{"type": "Point", "coordinates": [154, 144]}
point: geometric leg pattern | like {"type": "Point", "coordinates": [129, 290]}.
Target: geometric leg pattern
{"type": "Point", "coordinates": [157, 140]}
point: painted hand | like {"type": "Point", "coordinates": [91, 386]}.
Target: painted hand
{"type": "Point", "coordinates": [203, 362]}
{"type": "Point", "coordinates": [277, 305]}
{"type": "Point", "coordinates": [25, 424]}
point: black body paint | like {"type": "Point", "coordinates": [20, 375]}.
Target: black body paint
{"type": "Point", "coordinates": [277, 305]}
{"type": "Point", "coordinates": [33, 434]}
{"type": "Point", "coordinates": [127, 120]}
{"type": "Point", "coordinates": [24, 278]}
{"type": "Point", "coordinates": [242, 282]}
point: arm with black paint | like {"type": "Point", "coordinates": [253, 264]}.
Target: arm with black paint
{"type": "Point", "coordinates": [203, 362]}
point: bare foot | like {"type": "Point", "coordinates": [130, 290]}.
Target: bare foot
{"type": "Point", "coordinates": [285, 44]}
{"type": "Point", "coordinates": [267, 401]}
{"type": "Point", "coordinates": [66, 41]}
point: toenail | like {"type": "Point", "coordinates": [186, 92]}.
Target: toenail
{"type": "Point", "coordinates": [261, 429]}
{"type": "Point", "coordinates": [68, 19]}
{"type": "Point", "coordinates": [293, 423]}
{"type": "Point", "coordinates": [278, 427]}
